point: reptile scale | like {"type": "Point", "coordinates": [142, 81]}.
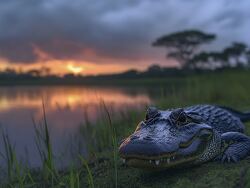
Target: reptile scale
{"type": "Point", "coordinates": [186, 137]}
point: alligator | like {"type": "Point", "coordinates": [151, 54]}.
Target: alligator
{"type": "Point", "coordinates": [186, 137]}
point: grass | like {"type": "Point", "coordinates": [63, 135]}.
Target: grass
{"type": "Point", "coordinates": [44, 147]}
{"type": "Point", "coordinates": [89, 175]}
{"type": "Point", "coordinates": [114, 143]}
{"type": "Point", "coordinates": [17, 173]}
{"type": "Point", "coordinates": [227, 88]}
{"type": "Point", "coordinates": [102, 168]}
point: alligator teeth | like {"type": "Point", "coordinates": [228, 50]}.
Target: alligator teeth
{"type": "Point", "coordinates": [124, 160]}
{"type": "Point", "coordinates": [168, 160]}
{"type": "Point", "coordinates": [157, 162]}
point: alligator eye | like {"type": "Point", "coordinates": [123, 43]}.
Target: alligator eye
{"type": "Point", "coordinates": [182, 119]}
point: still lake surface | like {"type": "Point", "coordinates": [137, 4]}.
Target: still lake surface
{"type": "Point", "coordinates": [65, 106]}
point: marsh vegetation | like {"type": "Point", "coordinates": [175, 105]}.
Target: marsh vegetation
{"type": "Point", "coordinates": [101, 167]}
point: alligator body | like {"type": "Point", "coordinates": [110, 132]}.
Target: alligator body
{"type": "Point", "coordinates": [186, 137]}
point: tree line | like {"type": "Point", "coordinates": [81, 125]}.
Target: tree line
{"type": "Point", "coordinates": [185, 48]}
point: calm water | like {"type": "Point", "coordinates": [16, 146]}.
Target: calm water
{"type": "Point", "coordinates": [66, 107]}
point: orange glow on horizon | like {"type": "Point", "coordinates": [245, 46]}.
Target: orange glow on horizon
{"type": "Point", "coordinates": [62, 67]}
{"type": "Point", "coordinates": [75, 69]}
{"type": "Point", "coordinates": [87, 62]}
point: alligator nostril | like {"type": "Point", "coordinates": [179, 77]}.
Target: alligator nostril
{"type": "Point", "coordinates": [148, 138]}
{"type": "Point", "coordinates": [133, 137]}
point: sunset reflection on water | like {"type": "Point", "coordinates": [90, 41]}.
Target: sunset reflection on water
{"type": "Point", "coordinates": [65, 106]}
{"type": "Point", "coordinates": [61, 97]}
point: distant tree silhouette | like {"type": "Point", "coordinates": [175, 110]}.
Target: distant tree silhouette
{"type": "Point", "coordinates": [200, 60]}
{"type": "Point", "coordinates": [237, 52]}
{"type": "Point", "coordinates": [45, 71]}
{"type": "Point", "coordinates": [10, 71]}
{"type": "Point", "coordinates": [248, 58]}
{"type": "Point", "coordinates": [34, 72]}
{"type": "Point", "coordinates": [154, 69]}
{"type": "Point", "coordinates": [131, 73]}
{"type": "Point", "coordinates": [209, 60]}
{"type": "Point", "coordinates": [182, 46]}
{"type": "Point", "coordinates": [236, 55]}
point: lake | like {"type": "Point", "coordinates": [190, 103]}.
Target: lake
{"type": "Point", "coordinates": [66, 107]}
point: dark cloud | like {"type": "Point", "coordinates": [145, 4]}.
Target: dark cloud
{"type": "Point", "coordinates": [111, 29]}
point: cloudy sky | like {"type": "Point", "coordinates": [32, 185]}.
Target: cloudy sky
{"type": "Point", "coordinates": [96, 36]}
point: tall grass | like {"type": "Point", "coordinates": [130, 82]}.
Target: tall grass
{"type": "Point", "coordinates": [114, 142]}
{"type": "Point", "coordinates": [44, 147]}
{"type": "Point", "coordinates": [90, 177]}
{"type": "Point", "coordinates": [50, 174]}
{"type": "Point", "coordinates": [10, 156]}
{"type": "Point", "coordinates": [102, 137]}
{"type": "Point", "coordinates": [17, 173]}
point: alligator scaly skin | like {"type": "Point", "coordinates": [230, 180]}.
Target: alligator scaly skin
{"type": "Point", "coordinates": [218, 118]}
{"type": "Point", "coordinates": [194, 135]}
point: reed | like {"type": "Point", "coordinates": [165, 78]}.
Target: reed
{"type": "Point", "coordinates": [44, 147]}
{"type": "Point", "coordinates": [102, 139]}
{"type": "Point", "coordinates": [90, 176]}
{"type": "Point", "coordinates": [17, 173]}
{"type": "Point", "coordinates": [114, 142]}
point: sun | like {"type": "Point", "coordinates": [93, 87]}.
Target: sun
{"type": "Point", "coordinates": [75, 69]}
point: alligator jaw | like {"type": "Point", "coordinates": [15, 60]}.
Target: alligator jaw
{"type": "Point", "coordinates": [162, 163]}
{"type": "Point", "coordinates": [158, 162]}
{"type": "Point", "coordinates": [167, 160]}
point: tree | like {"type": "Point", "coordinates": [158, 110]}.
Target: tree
{"type": "Point", "coordinates": [199, 61]}
{"type": "Point", "coordinates": [34, 72]}
{"type": "Point", "coordinates": [182, 46]}
{"type": "Point", "coordinates": [129, 74]}
{"type": "Point", "coordinates": [236, 51]}
{"type": "Point", "coordinates": [45, 71]}
{"type": "Point", "coordinates": [154, 69]}
{"type": "Point", "coordinates": [208, 60]}
{"type": "Point", "coordinates": [248, 58]}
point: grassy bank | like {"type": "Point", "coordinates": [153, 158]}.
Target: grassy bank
{"type": "Point", "coordinates": [102, 168]}
{"type": "Point", "coordinates": [229, 89]}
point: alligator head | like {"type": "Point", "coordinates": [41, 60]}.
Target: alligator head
{"type": "Point", "coordinates": [168, 139]}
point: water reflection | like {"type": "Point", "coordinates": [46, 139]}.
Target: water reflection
{"type": "Point", "coordinates": [61, 97]}
{"type": "Point", "coordinates": [66, 107]}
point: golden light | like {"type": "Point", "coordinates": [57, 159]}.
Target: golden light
{"type": "Point", "coordinates": [75, 69]}
{"type": "Point", "coordinates": [62, 67]}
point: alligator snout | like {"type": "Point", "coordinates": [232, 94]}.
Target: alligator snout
{"type": "Point", "coordinates": [145, 144]}
{"type": "Point", "coordinates": [145, 147]}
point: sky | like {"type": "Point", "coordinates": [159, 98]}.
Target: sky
{"type": "Point", "coordinates": [96, 36]}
